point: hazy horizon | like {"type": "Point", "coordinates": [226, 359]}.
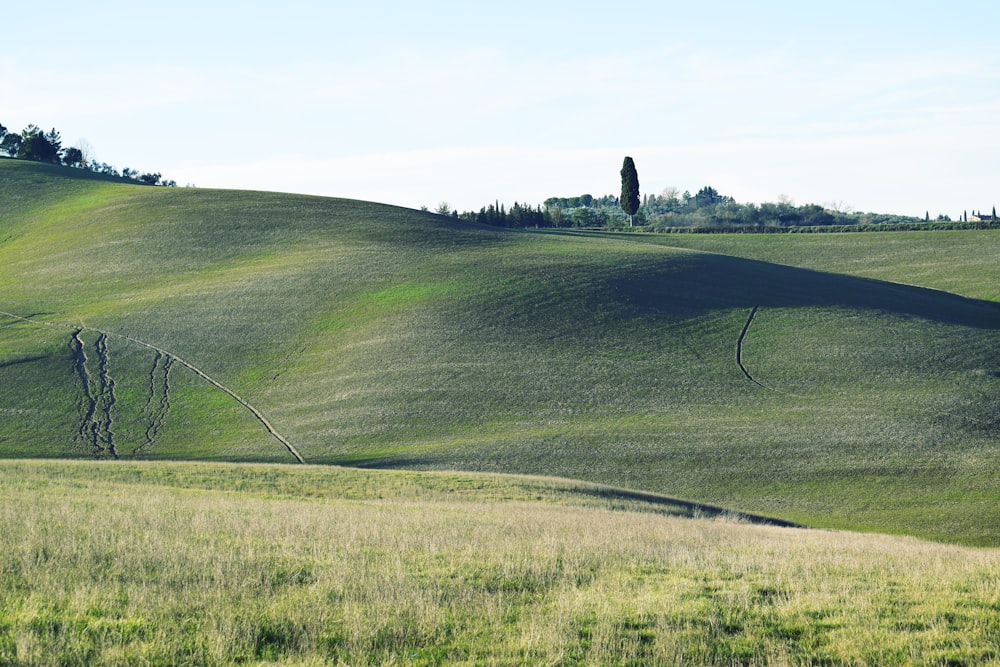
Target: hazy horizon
{"type": "Point", "coordinates": [888, 108]}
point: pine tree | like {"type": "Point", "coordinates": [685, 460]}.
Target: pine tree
{"type": "Point", "coordinates": [55, 141]}
{"type": "Point", "coordinates": [36, 146]}
{"type": "Point", "coordinates": [629, 200]}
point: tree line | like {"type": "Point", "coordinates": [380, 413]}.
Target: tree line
{"type": "Point", "coordinates": [707, 210]}
{"type": "Point", "coordinates": [34, 144]}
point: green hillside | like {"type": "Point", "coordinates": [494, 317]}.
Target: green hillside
{"type": "Point", "coordinates": [960, 261]}
{"type": "Point", "coordinates": [377, 336]}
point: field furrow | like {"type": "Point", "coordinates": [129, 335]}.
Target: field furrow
{"type": "Point", "coordinates": [739, 346]}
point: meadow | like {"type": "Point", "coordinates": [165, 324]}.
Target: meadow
{"type": "Point", "coordinates": [380, 337]}
{"type": "Point", "coordinates": [109, 563]}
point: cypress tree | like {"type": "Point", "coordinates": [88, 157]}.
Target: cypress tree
{"type": "Point", "coordinates": [629, 200]}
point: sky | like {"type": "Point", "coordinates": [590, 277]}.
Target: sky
{"type": "Point", "coordinates": [889, 107]}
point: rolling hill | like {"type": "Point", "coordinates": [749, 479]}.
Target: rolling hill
{"type": "Point", "coordinates": [815, 386]}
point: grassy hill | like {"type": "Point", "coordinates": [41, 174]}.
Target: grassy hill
{"type": "Point", "coordinates": [958, 261]}
{"type": "Point", "coordinates": [222, 564]}
{"type": "Point", "coordinates": [376, 336]}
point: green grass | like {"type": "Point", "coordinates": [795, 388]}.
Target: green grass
{"type": "Point", "coordinates": [960, 261]}
{"type": "Point", "coordinates": [220, 564]}
{"type": "Point", "coordinates": [381, 337]}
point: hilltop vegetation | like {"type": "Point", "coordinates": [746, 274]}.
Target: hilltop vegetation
{"type": "Point", "coordinates": [708, 211]}
{"type": "Point", "coordinates": [370, 335]}
{"type": "Point", "coordinates": [34, 144]}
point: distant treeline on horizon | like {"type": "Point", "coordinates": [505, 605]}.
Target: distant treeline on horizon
{"type": "Point", "coordinates": [706, 211]}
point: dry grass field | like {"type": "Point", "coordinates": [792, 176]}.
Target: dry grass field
{"type": "Point", "coordinates": [217, 564]}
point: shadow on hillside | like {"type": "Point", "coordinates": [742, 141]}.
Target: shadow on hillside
{"type": "Point", "coordinates": [672, 506]}
{"type": "Point", "coordinates": [688, 508]}
{"type": "Point", "coordinates": [682, 284]}
{"type": "Point", "coordinates": [592, 295]}
{"type": "Point", "coordinates": [24, 360]}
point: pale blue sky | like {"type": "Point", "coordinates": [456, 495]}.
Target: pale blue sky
{"type": "Point", "coordinates": [884, 106]}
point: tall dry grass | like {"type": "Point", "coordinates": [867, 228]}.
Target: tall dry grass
{"type": "Point", "coordinates": [101, 572]}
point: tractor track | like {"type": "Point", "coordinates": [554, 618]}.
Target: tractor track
{"type": "Point", "coordinates": [218, 385]}
{"type": "Point", "coordinates": [194, 369]}
{"type": "Point", "coordinates": [739, 347]}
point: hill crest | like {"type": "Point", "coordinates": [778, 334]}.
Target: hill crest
{"type": "Point", "coordinates": [376, 336]}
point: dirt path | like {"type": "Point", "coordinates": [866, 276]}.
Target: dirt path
{"type": "Point", "coordinates": [194, 369]}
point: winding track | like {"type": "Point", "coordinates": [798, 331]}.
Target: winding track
{"type": "Point", "coordinates": [194, 369]}
{"type": "Point", "coordinates": [739, 347]}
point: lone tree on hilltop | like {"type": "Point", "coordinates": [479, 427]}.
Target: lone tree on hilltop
{"type": "Point", "coordinates": [630, 189]}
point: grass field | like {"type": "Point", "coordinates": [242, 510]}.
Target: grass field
{"type": "Point", "coordinates": [954, 261]}
{"type": "Point", "coordinates": [375, 336]}
{"type": "Point", "coordinates": [221, 564]}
